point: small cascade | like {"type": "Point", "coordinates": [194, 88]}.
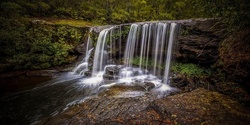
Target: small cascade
{"type": "Point", "coordinates": [120, 43]}
{"type": "Point", "coordinates": [173, 33]}
{"type": "Point", "coordinates": [111, 44]}
{"type": "Point", "coordinates": [154, 45]}
{"type": "Point", "coordinates": [82, 67]}
{"type": "Point", "coordinates": [101, 55]}
{"type": "Point", "coordinates": [130, 46]}
{"type": "Point", "coordinates": [159, 50]}
{"type": "Point", "coordinates": [143, 44]}
{"type": "Point", "coordinates": [89, 42]}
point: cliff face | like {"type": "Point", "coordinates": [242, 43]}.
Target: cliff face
{"type": "Point", "coordinates": [199, 41]}
{"type": "Point", "coordinates": [207, 42]}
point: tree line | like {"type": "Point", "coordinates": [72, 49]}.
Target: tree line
{"type": "Point", "coordinates": [122, 11]}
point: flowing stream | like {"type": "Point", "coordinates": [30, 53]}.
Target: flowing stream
{"type": "Point", "coordinates": [146, 59]}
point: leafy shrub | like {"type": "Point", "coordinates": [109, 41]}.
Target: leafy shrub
{"type": "Point", "coordinates": [146, 63]}
{"type": "Point", "coordinates": [10, 9]}
{"type": "Point", "coordinates": [36, 46]}
{"type": "Point", "coordinates": [62, 12]}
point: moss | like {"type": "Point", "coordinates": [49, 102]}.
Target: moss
{"type": "Point", "coordinates": [190, 70]}
{"type": "Point", "coordinates": [150, 63]}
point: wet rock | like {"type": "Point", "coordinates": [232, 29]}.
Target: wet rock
{"type": "Point", "coordinates": [80, 49]}
{"type": "Point", "coordinates": [197, 107]}
{"type": "Point", "coordinates": [149, 85]}
{"type": "Point", "coordinates": [87, 73]}
{"type": "Point", "coordinates": [121, 90]}
{"type": "Point", "coordinates": [112, 72]}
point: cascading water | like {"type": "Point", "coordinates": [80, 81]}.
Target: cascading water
{"type": "Point", "coordinates": [101, 56]}
{"type": "Point", "coordinates": [169, 52]}
{"type": "Point", "coordinates": [147, 55]}
{"type": "Point", "coordinates": [130, 46]}
{"type": "Point", "coordinates": [83, 66]}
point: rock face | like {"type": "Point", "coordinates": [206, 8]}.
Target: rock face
{"type": "Point", "coordinates": [197, 107]}
{"type": "Point", "coordinates": [198, 41]}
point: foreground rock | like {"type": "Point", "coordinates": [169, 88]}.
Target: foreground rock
{"type": "Point", "coordinates": [197, 107]}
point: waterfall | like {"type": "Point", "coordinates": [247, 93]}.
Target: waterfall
{"type": "Point", "coordinates": [169, 52]}
{"type": "Point", "coordinates": [155, 45]}
{"type": "Point", "coordinates": [82, 67]}
{"type": "Point", "coordinates": [130, 46]}
{"type": "Point", "coordinates": [159, 46]}
{"type": "Point", "coordinates": [89, 42]}
{"type": "Point", "coordinates": [147, 55]}
{"type": "Point", "coordinates": [111, 44]}
{"type": "Point", "coordinates": [143, 43]}
{"type": "Point", "coordinates": [101, 56]}
{"type": "Point", "coordinates": [148, 44]}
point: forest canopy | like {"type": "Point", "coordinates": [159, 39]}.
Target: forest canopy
{"type": "Point", "coordinates": [233, 12]}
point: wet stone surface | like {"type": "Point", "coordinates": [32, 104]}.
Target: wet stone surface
{"type": "Point", "coordinates": [112, 72]}
{"type": "Point", "coordinates": [197, 107]}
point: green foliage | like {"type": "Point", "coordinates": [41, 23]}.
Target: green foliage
{"type": "Point", "coordinates": [190, 70]}
{"type": "Point", "coordinates": [62, 12]}
{"type": "Point", "coordinates": [113, 11]}
{"type": "Point", "coordinates": [27, 46]}
{"type": "Point", "coordinates": [10, 9]}
{"type": "Point", "coordinates": [235, 13]}
{"type": "Point", "coordinates": [120, 16]}
{"type": "Point", "coordinates": [116, 34]}
{"type": "Point", "coordinates": [145, 63]}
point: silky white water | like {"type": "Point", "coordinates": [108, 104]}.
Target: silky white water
{"type": "Point", "coordinates": [146, 59]}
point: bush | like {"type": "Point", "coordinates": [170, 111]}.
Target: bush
{"type": "Point", "coordinates": [12, 10]}
{"type": "Point", "coordinates": [27, 46]}
{"type": "Point", "coordinates": [234, 54]}
{"type": "Point", "coordinates": [62, 12]}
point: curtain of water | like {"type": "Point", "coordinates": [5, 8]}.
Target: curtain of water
{"type": "Point", "coordinates": [89, 42]}
{"type": "Point", "coordinates": [173, 28]}
{"type": "Point", "coordinates": [148, 44]}
{"type": "Point", "coordinates": [130, 46]}
{"type": "Point", "coordinates": [83, 66]}
{"type": "Point", "coordinates": [153, 44]}
{"type": "Point", "coordinates": [157, 46]}
{"type": "Point", "coordinates": [143, 44]}
{"type": "Point", "coordinates": [100, 57]}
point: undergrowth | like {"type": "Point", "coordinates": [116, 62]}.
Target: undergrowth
{"type": "Point", "coordinates": [190, 70]}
